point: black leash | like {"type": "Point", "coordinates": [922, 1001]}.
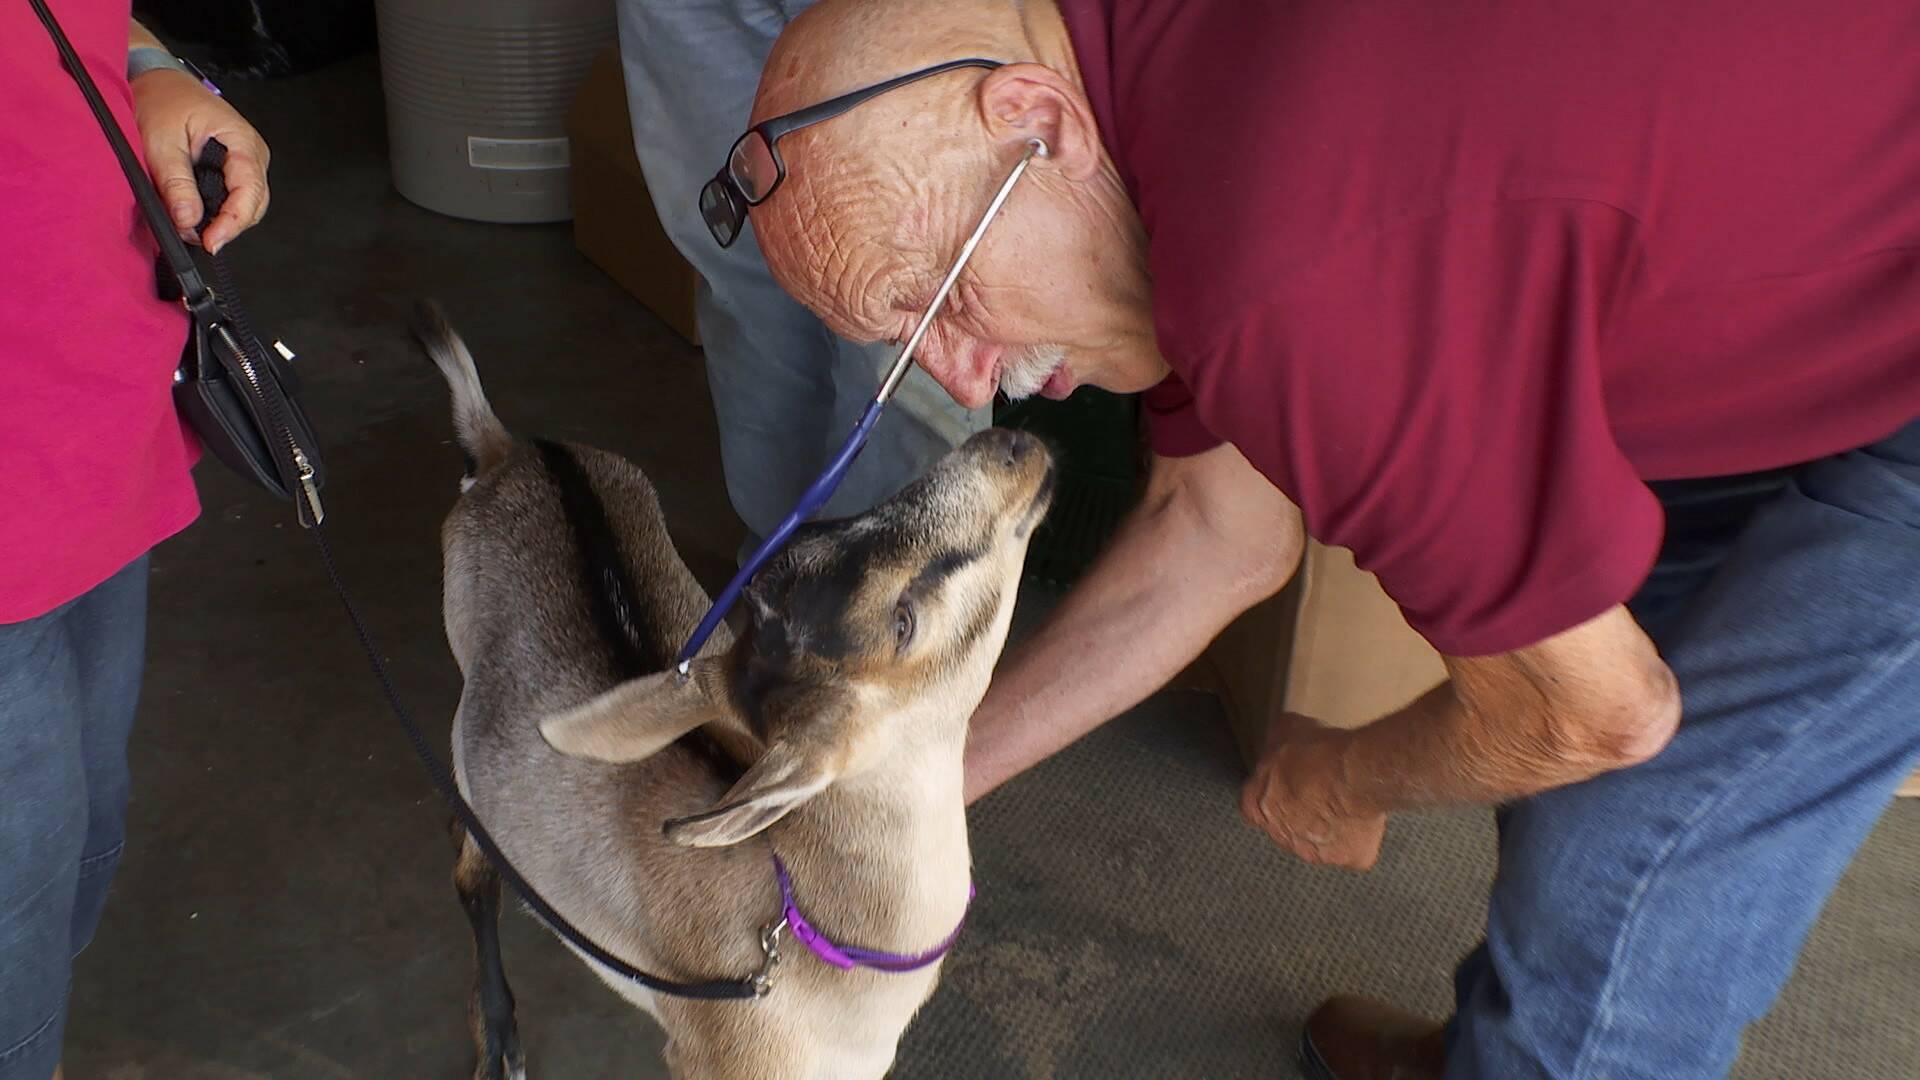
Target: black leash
{"type": "Point", "coordinates": [715, 990]}
{"type": "Point", "coordinates": [270, 396]}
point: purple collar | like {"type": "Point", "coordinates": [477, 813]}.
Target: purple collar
{"type": "Point", "coordinates": [847, 957]}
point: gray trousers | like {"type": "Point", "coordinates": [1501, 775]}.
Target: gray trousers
{"type": "Point", "coordinates": [786, 390]}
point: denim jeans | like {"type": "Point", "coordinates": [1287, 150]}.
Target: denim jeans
{"type": "Point", "coordinates": [1642, 920]}
{"type": "Point", "coordinates": [785, 389]}
{"type": "Point", "coordinates": [69, 681]}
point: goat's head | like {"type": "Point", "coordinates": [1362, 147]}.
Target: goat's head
{"type": "Point", "coordinates": [867, 639]}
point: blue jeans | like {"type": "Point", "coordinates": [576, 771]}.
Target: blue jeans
{"type": "Point", "coordinates": [69, 681]}
{"type": "Point", "coordinates": [785, 389]}
{"type": "Point", "coordinates": [1642, 920]}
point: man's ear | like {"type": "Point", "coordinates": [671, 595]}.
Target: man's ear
{"type": "Point", "coordinates": [795, 768]}
{"type": "Point", "coordinates": [639, 718]}
{"type": "Point", "coordinates": [1033, 101]}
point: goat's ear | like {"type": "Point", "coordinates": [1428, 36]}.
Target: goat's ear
{"type": "Point", "coordinates": [639, 718]}
{"type": "Point", "coordinates": [795, 768]}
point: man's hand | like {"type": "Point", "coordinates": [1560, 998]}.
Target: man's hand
{"type": "Point", "coordinates": [1302, 808]}
{"type": "Point", "coordinates": [177, 116]}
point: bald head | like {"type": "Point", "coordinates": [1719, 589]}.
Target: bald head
{"type": "Point", "coordinates": [855, 218]}
{"type": "Point", "coordinates": [841, 45]}
{"type": "Point", "coordinates": [877, 200]}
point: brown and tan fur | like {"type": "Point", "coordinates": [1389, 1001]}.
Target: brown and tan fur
{"type": "Point", "coordinates": [830, 731]}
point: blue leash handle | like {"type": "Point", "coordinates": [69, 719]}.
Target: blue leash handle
{"type": "Point", "coordinates": [811, 501]}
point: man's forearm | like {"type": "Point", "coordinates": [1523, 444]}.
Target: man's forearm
{"type": "Point", "coordinates": [1504, 729]}
{"type": "Point", "coordinates": [1434, 753]}
{"type": "Point", "coordinates": [1160, 592]}
{"type": "Point", "coordinates": [1112, 641]}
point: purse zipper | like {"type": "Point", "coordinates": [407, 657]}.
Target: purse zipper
{"type": "Point", "coordinates": [303, 469]}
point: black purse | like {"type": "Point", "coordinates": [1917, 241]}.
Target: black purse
{"type": "Point", "coordinates": [236, 395]}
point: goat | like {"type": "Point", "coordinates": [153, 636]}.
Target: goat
{"type": "Point", "coordinates": [648, 808]}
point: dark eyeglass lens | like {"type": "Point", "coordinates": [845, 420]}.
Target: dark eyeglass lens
{"type": "Point", "coordinates": [722, 218]}
{"type": "Point", "coordinates": [752, 167]}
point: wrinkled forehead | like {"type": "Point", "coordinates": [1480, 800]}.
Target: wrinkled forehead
{"type": "Point", "coordinates": [843, 237]}
{"type": "Point", "coordinates": [850, 232]}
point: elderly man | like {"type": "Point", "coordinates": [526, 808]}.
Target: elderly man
{"type": "Point", "coordinates": [1451, 287]}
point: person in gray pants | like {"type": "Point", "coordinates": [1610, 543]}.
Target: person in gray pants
{"type": "Point", "coordinates": [786, 390]}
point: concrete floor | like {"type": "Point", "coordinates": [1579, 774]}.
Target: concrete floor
{"type": "Point", "coordinates": [284, 911]}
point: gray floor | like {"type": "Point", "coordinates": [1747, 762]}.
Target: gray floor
{"type": "Point", "coordinates": [284, 910]}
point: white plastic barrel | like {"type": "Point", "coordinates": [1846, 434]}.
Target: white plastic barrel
{"type": "Point", "coordinates": [477, 95]}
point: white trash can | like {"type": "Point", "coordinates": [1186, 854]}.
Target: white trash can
{"type": "Point", "coordinates": [477, 95]}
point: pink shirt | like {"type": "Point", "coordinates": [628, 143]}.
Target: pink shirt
{"type": "Point", "coordinates": [93, 460]}
{"type": "Point", "coordinates": [1460, 278]}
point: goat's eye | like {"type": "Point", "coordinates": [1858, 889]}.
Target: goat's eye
{"type": "Point", "coordinates": [902, 624]}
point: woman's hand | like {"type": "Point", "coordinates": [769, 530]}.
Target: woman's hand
{"type": "Point", "coordinates": [176, 116]}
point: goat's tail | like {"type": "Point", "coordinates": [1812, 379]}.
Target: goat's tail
{"type": "Point", "coordinates": [482, 436]}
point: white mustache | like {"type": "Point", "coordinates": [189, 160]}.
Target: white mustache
{"type": "Point", "coordinates": [1024, 371]}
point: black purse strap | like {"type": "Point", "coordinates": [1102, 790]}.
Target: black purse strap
{"type": "Point", "coordinates": [193, 288]}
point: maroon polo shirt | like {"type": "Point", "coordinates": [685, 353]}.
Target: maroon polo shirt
{"type": "Point", "coordinates": [1460, 277]}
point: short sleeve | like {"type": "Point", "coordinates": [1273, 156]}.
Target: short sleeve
{"type": "Point", "coordinates": [1431, 396]}
{"type": "Point", "coordinates": [1174, 428]}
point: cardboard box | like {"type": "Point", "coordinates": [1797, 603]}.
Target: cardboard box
{"type": "Point", "coordinates": [1331, 645]}
{"type": "Point", "coordinates": [613, 220]}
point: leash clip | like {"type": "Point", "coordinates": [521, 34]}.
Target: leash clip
{"type": "Point", "coordinates": [762, 980]}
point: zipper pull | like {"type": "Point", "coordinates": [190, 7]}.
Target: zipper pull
{"type": "Point", "coordinates": [311, 512]}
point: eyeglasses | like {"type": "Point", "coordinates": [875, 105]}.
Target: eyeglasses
{"type": "Point", "coordinates": [754, 168]}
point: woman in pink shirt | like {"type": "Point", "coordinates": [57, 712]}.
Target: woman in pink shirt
{"type": "Point", "coordinates": [93, 467]}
